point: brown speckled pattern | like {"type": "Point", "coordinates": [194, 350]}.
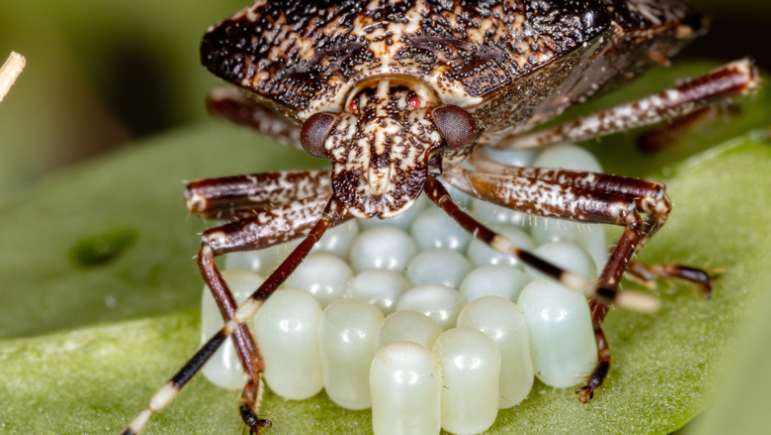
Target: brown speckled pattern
{"type": "Point", "coordinates": [508, 63]}
{"type": "Point", "coordinates": [305, 56]}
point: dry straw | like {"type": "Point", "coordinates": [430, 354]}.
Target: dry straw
{"type": "Point", "coordinates": [10, 71]}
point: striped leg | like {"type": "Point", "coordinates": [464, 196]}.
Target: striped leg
{"type": "Point", "coordinates": [232, 198]}
{"type": "Point", "coordinates": [439, 196]}
{"type": "Point", "coordinates": [333, 211]}
{"type": "Point", "coordinates": [732, 80]}
{"type": "Point", "coordinates": [582, 197]}
{"type": "Point", "coordinates": [264, 228]}
{"type": "Point", "coordinates": [249, 199]}
{"type": "Point", "coordinates": [657, 204]}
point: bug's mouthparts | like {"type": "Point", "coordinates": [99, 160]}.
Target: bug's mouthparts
{"type": "Point", "coordinates": [379, 180]}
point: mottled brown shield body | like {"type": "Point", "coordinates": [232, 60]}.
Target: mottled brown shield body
{"type": "Point", "coordinates": [514, 63]}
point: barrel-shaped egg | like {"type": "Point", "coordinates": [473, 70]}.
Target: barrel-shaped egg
{"type": "Point", "coordinates": [436, 301]}
{"type": "Point", "coordinates": [321, 275]}
{"type": "Point", "coordinates": [346, 333]}
{"type": "Point", "coordinates": [408, 325]}
{"type": "Point", "coordinates": [380, 287]}
{"type": "Point", "coordinates": [406, 384]}
{"type": "Point", "coordinates": [505, 324]}
{"type": "Point", "coordinates": [285, 328]}
{"type": "Point", "coordinates": [382, 247]}
{"type": "Point", "coordinates": [471, 364]}
{"type": "Point", "coordinates": [562, 341]}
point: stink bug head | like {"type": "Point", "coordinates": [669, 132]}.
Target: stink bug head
{"type": "Point", "coordinates": [390, 136]}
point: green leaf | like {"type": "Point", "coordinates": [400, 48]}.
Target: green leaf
{"type": "Point", "coordinates": [135, 195]}
{"type": "Point", "coordinates": [65, 369]}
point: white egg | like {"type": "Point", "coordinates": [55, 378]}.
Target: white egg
{"type": "Point", "coordinates": [494, 280]}
{"type": "Point", "coordinates": [408, 325]}
{"type": "Point", "coordinates": [406, 383]}
{"type": "Point", "coordinates": [437, 301]}
{"type": "Point", "coordinates": [380, 287]}
{"type": "Point", "coordinates": [346, 333]}
{"type": "Point", "coordinates": [434, 229]}
{"type": "Point", "coordinates": [337, 240]}
{"type": "Point", "coordinates": [285, 328]}
{"type": "Point", "coordinates": [471, 364]}
{"type": "Point", "coordinates": [321, 275]}
{"type": "Point", "coordinates": [562, 342]}
{"type": "Point", "coordinates": [505, 324]}
{"type": "Point", "coordinates": [438, 266]}
{"type": "Point", "coordinates": [568, 156]}
{"type": "Point", "coordinates": [382, 247]}
{"type": "Point", "coordinates": [521, 158]}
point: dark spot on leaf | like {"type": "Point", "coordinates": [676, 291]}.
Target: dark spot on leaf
{"type": "Point", "coordinates": [102, 248]}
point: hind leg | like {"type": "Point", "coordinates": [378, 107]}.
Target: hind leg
{"type": "Point", "coordinates": [720, 85]}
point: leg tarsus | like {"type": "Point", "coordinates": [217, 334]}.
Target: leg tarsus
{"type": "Point", "coordinates": [593, 382]}
{"type": "Point", "coordinates": [250, 397]}
{"type": "Point", "coordinates": [648, 274]}
{"type": "Point", "coordinates": [600, 372]}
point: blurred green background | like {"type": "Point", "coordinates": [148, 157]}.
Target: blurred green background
{"type": "Point", "coordinates": [101, 74]}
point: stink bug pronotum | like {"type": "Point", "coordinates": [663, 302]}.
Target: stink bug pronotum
{"type": "Point", "coordinates": [396, 94]}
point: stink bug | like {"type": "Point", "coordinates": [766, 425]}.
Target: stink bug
{"type": "Point", "coordinates": [397, 94]}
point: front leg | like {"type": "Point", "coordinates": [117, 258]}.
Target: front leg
{"type": "Point", "coordinates": [256, 232]}
{"type": "Point", "coordinates": [257, 202]}
{"type": "Point", "coordinates": [231, 238]}
{"type": "Point", "coordinates": [582, 197]}
{"type": "Point", "coordinates": [233, 198]}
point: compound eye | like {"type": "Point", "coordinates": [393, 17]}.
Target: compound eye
{"type": "Point", "coordinates": [456, 126]}
{"type": "Point", "coordinates": [315, 132]}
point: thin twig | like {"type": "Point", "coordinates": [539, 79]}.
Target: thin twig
{"type": "Point", "coordinates": [10, 71]}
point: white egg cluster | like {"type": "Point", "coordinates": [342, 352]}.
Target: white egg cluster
{"type": "Point", "coordinates": [415, 319]}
